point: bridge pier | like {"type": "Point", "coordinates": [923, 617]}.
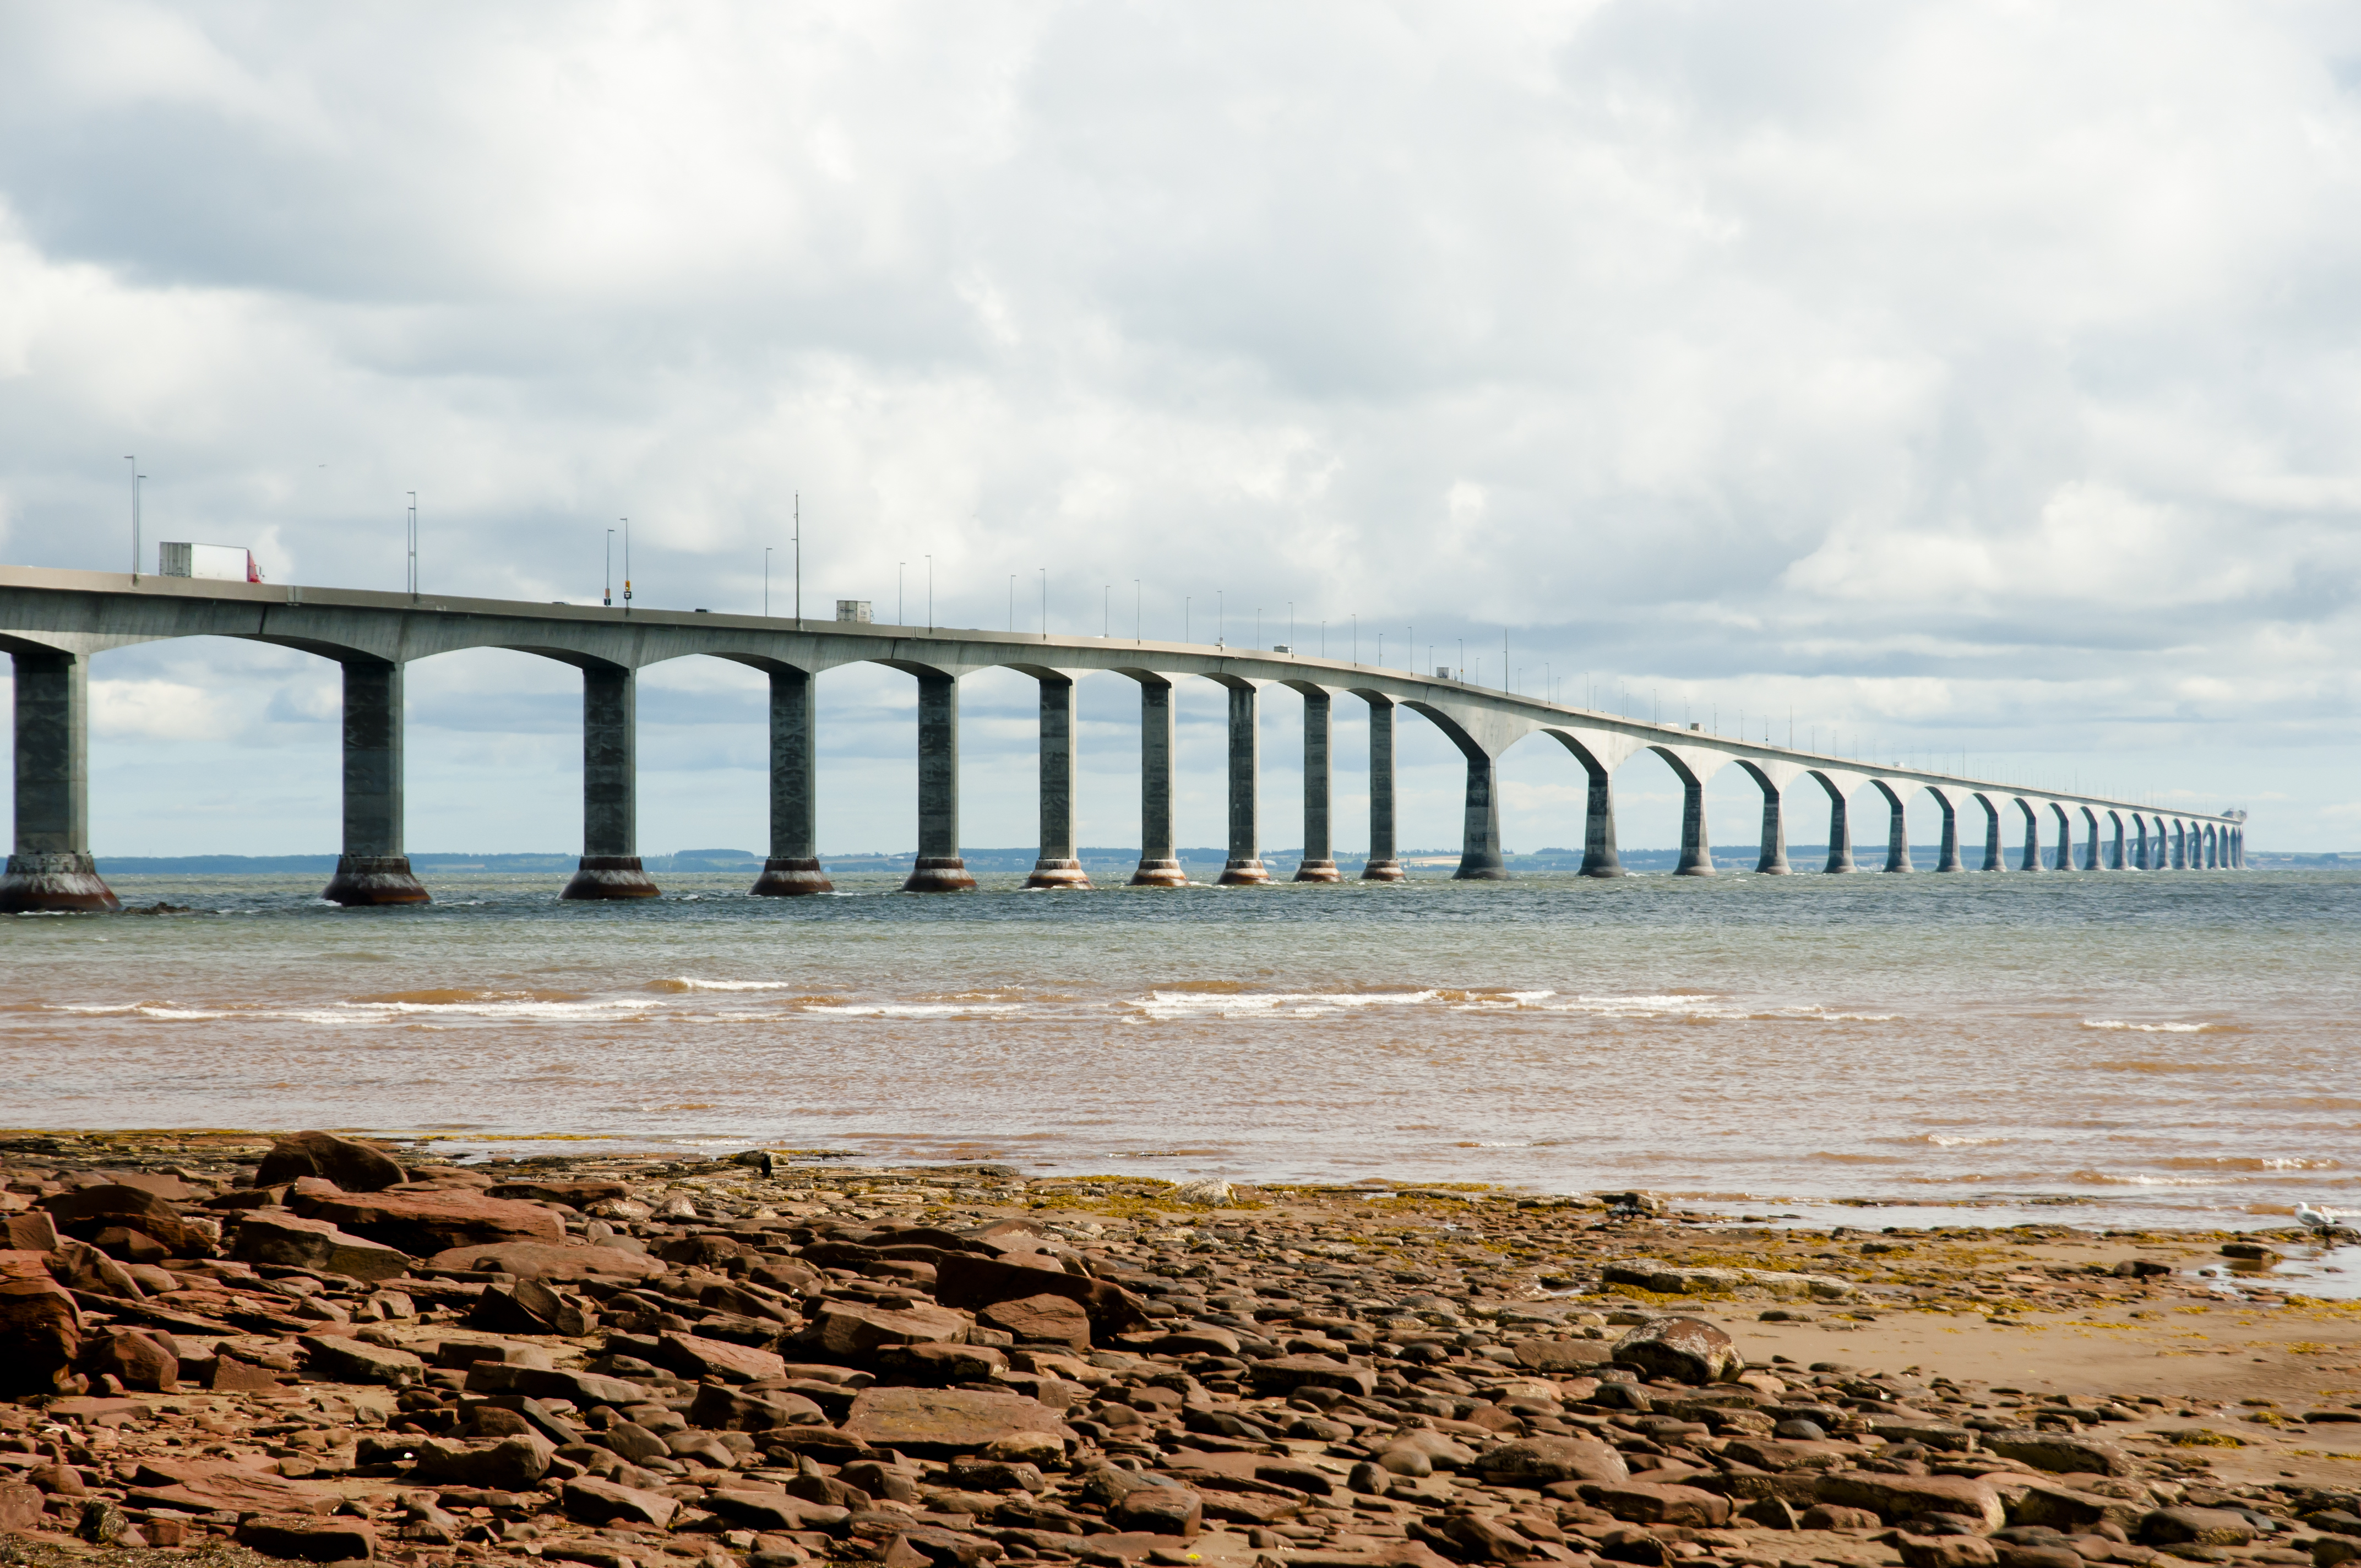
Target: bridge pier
{"type": "Point", "coordinates": [793, 867]}
{"type": "Point", "coordinates": [1897, 828]}
{"type": "Point", "coordinates": [1948, 859]}
{"type": "Point", "coordinates": [2090, 840]}
{"type": "Point", "coordinates": [2064, 860]}
{"type": "Point", "coordinates": [609, 867]}
{"type": "Point", "coordinates": [2031, 860]}
{"type": "Point", "coordinates": [1995, 858]}
{"type": "Point", "coordinates": [1479, 830]}
{"type": "Point", "coordinates": [1839, 829]}
{"type": "Point", "coordinates": [2120, 863]}
{"type": "Point", "coordinates": [1319, 863]}
{"type": "Point", "coordinates": [938, 868]}
{"type": "Point", "coordinates": [372, 869]}
{"type": "Point", "coordinates": [2238, 848]}
{"type": "Point", "coordinates": [1056, 866]}
{"type": "Point", "coordinates": [1384, 863]}
{"type": "Point", "coordinates": [51, 868]}
{"type": "Point", "coordinates": [1157, 865]}
{"type": "Point", "coordinates": [1773, 860]}
{"type": "Point", "coordinates": [1244, 867]}
{"type": "Point", "coordinates": [1697, 849]}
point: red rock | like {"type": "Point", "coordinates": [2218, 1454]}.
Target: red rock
{"type": "Point", "coordinates": [541, 1260]}
{"type": "Point", "coordinates": [211, 1485]}
{"type": "Point", "coordinates": [694, 1357]}
{"type": "Point", "coordinates": [1040, 1320]}
{"type": "Point", "coordinates": [342, 1360]}
{"type": "Point", "coordinates": [1642, 1502]}
{"type": "Point", "coordinates": [599, 1502]}
{"type": "Point", "coordinates": [87, 1210]}
{"type": "Point", "coordinates": [34, 1231]}
{"type": "Point", "coordinates": [40, 1327]}
{"type": "Point", "coordinates": [513, 1464]}
{"type": "Point", "coordinates": [425, 1222]}
{"type": "Point", "coordinates": [1284, 1373]}
{"type": "Point", "coordinates": [968, 1281]}
{"type": "Point", "coordinates": [1947, 1551]}
{"type": "Point", "coordinates": [1689, 1349]}
{"type": "Point", "coordinates": [718, 1408]}
{"type": "Point", "coordinates": [20, 1509]}
{"type": "Point", "coordinates": [849, 1328]}
{"type": "Point", "coordinates": [1159, 1510]}
{"type": "Point", "coordinates": [353, 1166]}
{"type": "Point", "coordinates": [946, 1420]}
{"type": "Point", "coordinates": [1560, 1354]}
{"type": "Point", "coordinates": [1897, 1499]}
{"type": "Point", "coordinates": [307, 1538]}
{"type": "Point", "coordinates": [569, 1194]}
{"type": "Point", "coordinates": [134, 1359]}
{"type": "Point", "coordinates": [1539, 1461]}
{"type": "Point", "coordinates": [291, 1241]}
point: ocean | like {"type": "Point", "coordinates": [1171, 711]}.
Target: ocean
{"type": "Point", "coordinates": [2101, 1049]}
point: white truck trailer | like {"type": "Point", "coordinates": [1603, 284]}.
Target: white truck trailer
{"type": "Point", "coordinates": [223, 562]}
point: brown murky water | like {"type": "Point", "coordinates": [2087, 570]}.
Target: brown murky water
{"type": "Point", "coordinates": [2175, 1048]}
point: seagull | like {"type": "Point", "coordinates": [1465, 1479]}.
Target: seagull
{"type": "Point", "coordinates": [2326, 1220]}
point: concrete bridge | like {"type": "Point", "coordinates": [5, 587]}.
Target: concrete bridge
{"type": "Point", "coordinates": [53, 623]}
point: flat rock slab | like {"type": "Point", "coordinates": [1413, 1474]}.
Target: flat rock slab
{"type": "Point", "coordinates": [1676, 1279]}
{"type": "Point", "coordinates": [291, 1241]}
{"type": "Point", "coordinates": [426, 1222]}
{"type": "Point", "coordinates": [1899, 1499]}
{"type": "Point", "coordinates": [593, 1501]}
{"type": "Point", "coordinates": [343, 1360]}
{"type": "Point", "coordinates": [207, 1486]}
{"type": "Point", "coordinates": [945, 1420]}
{"type": "Point", "coordinates": [542, 1260]}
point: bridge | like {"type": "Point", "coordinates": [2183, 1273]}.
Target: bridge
{"type": "Point", "coordinates": [53, 623]}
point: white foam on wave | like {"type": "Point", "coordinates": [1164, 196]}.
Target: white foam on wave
{"type": "Point", "coordinates": [490, 1009]}
{"type": "Point", "coordinates": [2143, 1028]}
{"type": "Point", "coordinates": [1299, 1004]}
{"type": "Point", "coordinates": [1709, 1007]}
{"type": "Point", "coordinates": [913, 1010]}
{"type": "Point", "coordinates": [689, 982]}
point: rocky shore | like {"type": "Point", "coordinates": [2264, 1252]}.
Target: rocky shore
{"type": "Point", "coordinates": [215, 1346]}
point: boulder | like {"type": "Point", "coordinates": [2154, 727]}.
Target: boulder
{"type": "Point", "coordinates": [1898, 1499]}
{"type": "Point", "coordinates": [31, 1231]}
{"type": "Point", "coordinates": [1676, 1279]}
{"type": "Point", "coordinates": [20, 1507]}
{"type": "Point", "coordinates": [425, 1222]}
{"type": "Point", "coordinates": [1644, 1502]}
{"type": "Point", "coordinates": [972, 1282]}
{"type": "Point", "coordinates": [85, 1211]}
{"type": "Point", "coordinates": [341, 1360]}
{"type": "Point", "coordinates": [353, 1166]}
{"type": "Point", "coordinates": [40, 1327]}
{"type": "Point", "coordinates": [718, 1408]}
{"type": "Point", "coordinates": [2063, 1508]}
{"type": "Point", "coordinates": [941, 1421]}
{"type": "Point", "coordinates": [289, 1241]}
{"type": "Point", "coordinates": [138, 1360]}
{"type": "Point", "coordinates": [1285, 1374]}
{"type": "Point", "coordinates": [847, 1329]}
{"type": "Point", "coordinates": [2195, 1527]}
{"type": "Point", "coordinates": [544, 1261]}
{"type": "Point", "coordinates": [941, 1364]}
{"type": "Point", "coordinates": [1688, 1349]}
{"type": "Point", "coordinates": [1947, 1552]}
{"type": "Point", "coordinates": [2063, 1453]}
{"type": "Point", "coordinates": [567, 1194]}
{"type": "Point", "coordinates": [694, 1357]}
{"type": "Point", "coordinates": [308, 1538]}
{"type": "Point", "coordinates": [1040, 1320]}
{"type": "Point", "coordinates": [1560, 1354]}
{"type": "Point", "coordinates": [597, 1502]}
{"type": "Point", "coordinates": [513, 1464]}
{"type": "Point", "coordinates": [1539, 1461]}
{"type": "Point", "coordinates": [1158, 1510]}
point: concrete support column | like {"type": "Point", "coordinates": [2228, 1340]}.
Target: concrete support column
{"type": "Point", "coordinates": [2032, 860]}
{"type": "Point", "coordinates": [50, 867]}
{"type": "Point", "coordinates": [1840, 830]}
{"type": "Point", "coordinates": [1055, 865]}
{"type": "Point", "coordinates": [372, 869]}
{"type": "Point", "coordinates": [1158, 866]}
{"type": "Point", "coordinates": [1696, 847]}
{"type": "Point", "coordinates": [1773, 860]}
{"type": "Point", "coordinates": [1995, 859]}
{"type": "Point", "coordinates": [1244, 867]}
{"type": "Point", "coordinates": [1384, 864]}
{"type": "Point", "coordinates": [2238, 848]}
{"type": "Point", "coordinates": [938, 868]}
{"type": "Point", "coordinates": [1479, 832]}
{"type": "Point", "coordinates": [2090, 840]}
{"type": "Point", "coordinates": [2212, 847]}
{"type": "Point", "coordinates": [1319, 862]}
{"type": "Point", "coordinates": [1949, 860]}
{"type": "Point", "coordinates": [2121, 864]}
{"type": "Point", "coordinates": [2176, 854]}
{"type": "Point", "coordinates": [1897, 829]}
{"type": "Point", "coordinates": [793, 867]}
{"type": "Point", "coordinates": [1598, 856]}
{"type": "Point", "coordinates": [2065, 837]}
{"type": "Point", "coordinates": [609, 867]}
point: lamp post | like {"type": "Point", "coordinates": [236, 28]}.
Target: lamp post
{"type": "Point", "coordinates": [931, 594]}
{"type": "Point", "coordinates": [607, 595]}
{"type": "Point", "coordinates": [799, 560]}
{"type": "Point", "coordinates": [136, 477]}
{"type": "Point", "coordinates": [766, 582]}
{"type": "Point", "coordinates": [627, 567]}
{"type": "Point", "coordinates": [413, 546]}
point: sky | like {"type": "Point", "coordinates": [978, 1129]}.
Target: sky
{"type": "Point", "coordinates": [1953, 382]}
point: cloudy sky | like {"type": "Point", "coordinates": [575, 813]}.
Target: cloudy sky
{"type": "Point", "coordinates": [1967, 380]}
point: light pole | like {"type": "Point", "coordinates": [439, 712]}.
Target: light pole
{"type": "Point", "coordinates": [413, 546]}
{"type": "Point", "coordinates": [1221, 618]}
{"type": "Point", "coordinates": [1044, 604]}
{"type": "Point", "coordinates": [766, 582]}
{"type": "Point", "coordinates": [627, 567]}
{"type": "Point", "coordinates": [931, 595]}
{"type": "Point", "coordinates": [135, 514]}
{"type": "Point", "coordinates": [799, 560]}
{"type": "Point", "coordinates": [607, 595]}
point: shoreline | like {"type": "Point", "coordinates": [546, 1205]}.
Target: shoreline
{"type": "Point", "coordinates": [757, 1363]}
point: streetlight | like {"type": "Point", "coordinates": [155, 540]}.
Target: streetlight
{"type": "Point", "coordinates": [413, 546]}
{"type": "Point", "coordinates": [608, 594]}
{"type": "Point", "coordinates": [1136, 597]}
{"type": "Point", "coordinates": [136, 477]}
{"type": "Point", "coordinates": [799, 560]}
{"type": "Point", "coordinates": [1044, 604]}
{"type": "Point", "coordinates": [627, 567]}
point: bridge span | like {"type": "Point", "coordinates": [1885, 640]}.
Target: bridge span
{"type": "Point", "coordinates": [52, 623]}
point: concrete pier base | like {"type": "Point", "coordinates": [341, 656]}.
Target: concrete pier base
{"type": "Point", "coordinates": [1244, 867]}
{"type": "Point", "coordinates": [1165, 872]}
{"type": "Point", "coordinates": [1319, 862]}
{"type": "Point", "coordinates": [1598, 856]}
{"type": "Point", "coordinates": [1897, 829]}
{"type": "Point", "coordinates": [1947, 860]}
{"type": "Point", "coordinates": [60, 882]}
{"type": "Point", "coordinates": [362, 881]}
{"type": "Point", "coordinates": [1479, 839]}
{"type": "Point", "coordinates": [1771, 859]}
{"type": "Point", "coordinates": [792, 870]}
{"type": "Point", "coordinates": [51, 868]}
{"type": "Point", "coordinates": [1840, 830]}
{"type": "Point", "coordinates": [609, 867]}
{"type": "Point", "coordinates": [1056, 867]}
{"type": "Point", "coordinates": [1318, 871]}
{"type": "Point", "coordinates": [2031, 860]}
{"type": "Point", "coordinates": [1053, 874]}
{"type": "Point", "coordinates": [610, 876]}
{"type": "Point", "coordinates": [1383, 865]}
{"type": "Point", "coordinates": [792, 877]}
{"type": "Point", "coordinates": [938, 868]}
